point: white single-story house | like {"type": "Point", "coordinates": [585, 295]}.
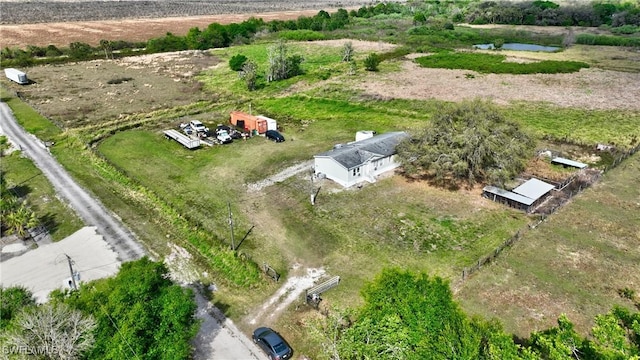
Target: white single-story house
{"type": "Point", "coordinates": [355, 162]}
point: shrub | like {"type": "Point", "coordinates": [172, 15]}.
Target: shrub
{"type": "Point", "coordinates": [626, 30]}
{"type": "Point", "coordinates": [589, 39]}
{"type": "Point", "coordinates": [237, 62]}
{"type": "Point", "coordinates": [371, 62]}
{"type": "Point", "coordinates": [52, 51]}
{"type": "Point", "coordinates": [301, 35]}
{"type": "Point", "coordinates": [627, 293]}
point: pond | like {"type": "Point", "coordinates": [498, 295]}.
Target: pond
{"type": "Point", "coordinates": [518, 47]}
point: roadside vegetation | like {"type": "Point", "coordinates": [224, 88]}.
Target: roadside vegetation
{"type": "Point", "coordinates": [27, 199]}
{"type": "Point", "coordinates": [413, 316]}
{"type": "Point", "coordinates": [170, 195]}
{"type": "Point", "coordinates": [139, 313]}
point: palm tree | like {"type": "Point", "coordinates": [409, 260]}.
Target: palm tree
{"type": "Point", "coordinates": [20, 220]}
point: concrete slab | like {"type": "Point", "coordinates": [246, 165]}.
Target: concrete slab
{"type": "Point", "coordinates": [45, 269]}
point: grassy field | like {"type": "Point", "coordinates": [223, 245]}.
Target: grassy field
{"type": "Point", "coordinates": [167, 193]}
{"type": "Point", "coordinates": [574, 263]}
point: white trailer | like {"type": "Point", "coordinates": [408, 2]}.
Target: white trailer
{"type": "Point", "coordinates": [16, 76]}
{"type": "Point", "coordinates": [183, 139]}
{"type": "Point", "coordinates": [271, 123]}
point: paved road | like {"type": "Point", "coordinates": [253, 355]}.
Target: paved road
{"type": "Point", "coordinates": [218, 338]}
{"type": "Point", "coordinates": [89, 209]}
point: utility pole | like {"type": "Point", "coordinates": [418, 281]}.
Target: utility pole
{"type": "Point", "coordinates": [313, 191]}
{"type": "Point", "coordinates": [233, 242]}
{"type": "Point", "coordinates": [73, 277]}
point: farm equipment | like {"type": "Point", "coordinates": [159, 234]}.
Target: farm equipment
{"type": "Point", "coordinates": [183, 139]}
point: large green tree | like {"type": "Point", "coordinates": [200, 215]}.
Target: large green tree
{"type": "Point", "coordinates": [140, 313]}
{"type": "Point", "coordinates": [471, 141]}
{"type": "Point", "coordinates": [414, 316]}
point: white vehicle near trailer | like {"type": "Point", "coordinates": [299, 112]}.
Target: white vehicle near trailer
{"type": "Point", "coordinates": [16, 75]}
{"type": "Point", "coordinates": [198, 127]}
{"type": "Point", "coordinates": [223, 136]}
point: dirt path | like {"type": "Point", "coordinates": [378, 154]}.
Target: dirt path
{"type": "Point", "coordinates": [218, 337]}
{"type": "Point", "coordinates": [299, 280]}
{"type": "Point", "coordinates": [281, 176]}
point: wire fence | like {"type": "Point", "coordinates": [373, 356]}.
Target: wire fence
{"type": "Point", "coordinates": [549, 210]}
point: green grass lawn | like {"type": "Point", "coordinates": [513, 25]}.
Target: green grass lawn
{"type": "Point", "coordinates": [167, 193]}
{"type": "Point", "coordinates": [351, 233]}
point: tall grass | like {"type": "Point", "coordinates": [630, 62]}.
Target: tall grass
{"type": "Point", "coordinates": [488, 63]}
{"type": "Point", "coordinates": [590, 39]}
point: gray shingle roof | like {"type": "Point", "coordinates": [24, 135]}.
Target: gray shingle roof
{"type": "Point", "coordinates": [357, 153]}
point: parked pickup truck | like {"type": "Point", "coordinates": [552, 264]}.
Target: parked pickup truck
{"type": "Point", "coordinates": [198, 127]}
{"type": "Point", "coordinates": [223, 136]}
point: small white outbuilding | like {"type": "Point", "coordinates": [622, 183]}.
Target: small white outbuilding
{"type": "Point", "coordinates": [271, 123]}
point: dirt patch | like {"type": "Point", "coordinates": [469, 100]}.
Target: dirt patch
{"type": "Point", "coordinates": [298, 281]}
{"type": "Point", "coordinates": [358, 45]}
{"type": "Point", "coordinates": [589, 89]}
{"type": "Point", "coordinates": [80, 94]}
{"type": "Point", "coordinates": [281, 176]}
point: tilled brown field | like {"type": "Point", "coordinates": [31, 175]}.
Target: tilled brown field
{"type": "Point", "coordinates": [91, 32]}
{"type": "Point", "coordinates": [48, 11]}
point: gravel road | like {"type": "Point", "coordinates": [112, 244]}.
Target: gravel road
{"type": "Point", "coordinates": [218, 338]}
{"type": "Point", "coordinates": [89, 209]}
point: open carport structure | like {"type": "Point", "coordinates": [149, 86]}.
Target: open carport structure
{"type": "Point", "coordinates": [524, 197]}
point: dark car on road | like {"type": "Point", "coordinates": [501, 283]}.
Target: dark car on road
{"type": "Point", "coordinates": [274, 135]}
{"type": "Point", "coordinates": [272, 343]}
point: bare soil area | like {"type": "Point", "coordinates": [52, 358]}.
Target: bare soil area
{"type": "Point", "coordinates": [91, 32]}
{"type": "Point", "coordinates": [589, 89]}
{"type": "Point", "coordinates": [78, 94]}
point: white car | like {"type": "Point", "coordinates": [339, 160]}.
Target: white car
{"type": "Point", "coordinates": [223, 137]}
{"type": "Point", "coordinates": [198, 127]}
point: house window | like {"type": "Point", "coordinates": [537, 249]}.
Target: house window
{"type": "Point", "coordinates": [356, 171]}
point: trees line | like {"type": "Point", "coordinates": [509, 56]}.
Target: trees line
{"type": "Point", "coordinates": [413, 316]}
{"type": "Point", "coordinates": [621, 18]}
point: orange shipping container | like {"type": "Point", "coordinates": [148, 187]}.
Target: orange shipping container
{"type": "Point", "coordinates": [248, 122]}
